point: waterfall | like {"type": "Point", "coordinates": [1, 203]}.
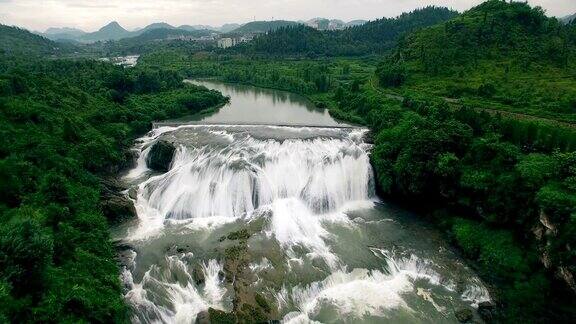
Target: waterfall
{"type": "Point", "coordinates": [294, 185]}
{"type": "Point", "coordinates": [225, 172]}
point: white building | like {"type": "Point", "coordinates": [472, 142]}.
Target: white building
{"type": "Point", "coordinates": [233, 41]}
{"type": "Point", "coordinates": [226, 42]}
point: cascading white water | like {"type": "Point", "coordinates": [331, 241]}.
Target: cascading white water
{"type": "Point", "coordinates": [233, 181]}
{"type": "Point", "coordinates": [300, 182]}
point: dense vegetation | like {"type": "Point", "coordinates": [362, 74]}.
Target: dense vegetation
{"type": "Point", "coordinates": [16, 41]}
{"type": "Point", "coordinates": [498, 55]}
{"type": "Point", "coordinates": [371, 37]}
{"type": "Point", "coordinates": [153, 40]}
{"type": "Point", "coordinates": [64, 126]}
{"type": "Point", "coordinates": [256, 27]}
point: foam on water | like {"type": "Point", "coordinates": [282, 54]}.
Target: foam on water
{"type": "Point", "coordinates": [317, 176]}
{"type": "Point", "coordinates": [170, 294]}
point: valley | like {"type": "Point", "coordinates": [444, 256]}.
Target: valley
{"type": "Point", "coordinates": [413, 169]}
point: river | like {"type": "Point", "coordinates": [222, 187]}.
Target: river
{"type": "Point", "coordinates": [279, 223]}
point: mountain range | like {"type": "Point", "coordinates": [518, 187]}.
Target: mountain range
{"type": "Point", "coordinates": [114, 31]}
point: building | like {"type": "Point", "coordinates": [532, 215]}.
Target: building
{"type": "Point", "coordinates": [226, 42]}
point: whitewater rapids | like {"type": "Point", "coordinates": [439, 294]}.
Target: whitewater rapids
{"type": "Point", "coordinates": [320, 248]}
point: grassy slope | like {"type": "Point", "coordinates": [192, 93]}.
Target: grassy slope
{"type": "Point", "coordinates": [526, 58]}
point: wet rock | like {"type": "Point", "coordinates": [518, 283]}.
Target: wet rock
{"type": "Point", "coordinates": [130, 158]}
{"type": "Point", "coordinates": [198, 274]}
{"type": "Point", "coordinates": [160, 156]}
{"type": "Point", "coordinates": [126, 258]}
{"type": "Point", "coordinates": [464, 315]}
{"type": "Point", "coordinates": [118, 208]}
{"type": "Point", "coordinates": [115, 205]}
{"type": "Point", "coordinates": [133, 193]}
{"type": "Point", "coordinates": [551, 229]}
{"type": "Point", "coordinates": [486, 310]}
{"type": "Point", "coordinates": [177, 249]}
{"type": "Point", "coordinates": [217, 316]}
{"type": "Point", "coordinates": [567, 277]}
{"type": "Point", "coordinates": [262, 302]}
{"type": "Point", "coordinates": [203, 318]}
{"type": "Point", "coordinates": [112, 186]}
{"type": "Point", "coordinates": [369, 137]}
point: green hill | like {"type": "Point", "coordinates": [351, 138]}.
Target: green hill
{"type": "Point", "coordinates": [372, 37]}
{"type": "Point", "coordinates": [154, 40]}
{"type": "Point", "coordinates": [497, 56]}
{"type": "Point", "coordinates": [17, 41]}
{"type": "Point", "coordinates": [165, 33]}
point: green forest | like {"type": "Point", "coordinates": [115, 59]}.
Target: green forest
{"type": "Point", "coordinates": [66, 126]}
{"type": "Point", "coordinates": [473, 117]}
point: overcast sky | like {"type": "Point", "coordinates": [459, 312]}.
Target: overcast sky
{"type": "Point", "coordinates": [91, 15]}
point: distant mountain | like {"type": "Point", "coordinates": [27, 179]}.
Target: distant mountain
{"type": "Point", "coordinates": [112, 31]}
{"type": "Point", "coordinates": [331, 24]}
{"type": "Point", "coordinates": [161, 25]}
{"type": "Point", "coordinates": [63, 33]}
{"type": "Point", "coordinates": [17, 41]}
{"type": "Point", "coordinates": [569, 19]}
{"type": "Point", "coordinates": [65, 30]}
{"type": "Point", "coordinates": [372, 37]}
{"type": "Point", "coordinates": [357, 22]}
{"type": "Point", "coordinates": [326, 24]}
{"type": "Point", "coordinates": [227, 28]}
{"type": "Point", "coordinates": [259, 27]}
{"type": "Point", "coordinates": [196, 27]}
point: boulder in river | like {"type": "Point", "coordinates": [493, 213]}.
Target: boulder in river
{"type": "Point", "coordinates": [118, 208]}
{"type": "Point", "coordinates": [198, 274]}
{"type": "Point", "coordinates": [160, 156]}
{"type": "Point", "coordinates": [115, 205]}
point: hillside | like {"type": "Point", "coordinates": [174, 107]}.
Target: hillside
{"type": "Point", "coordinates": [257, 27]}
{"type": "Point", "coordinates": [165, 33]}
{"type": "Point", "coordinates": [499, 56]}
{"type": "Point", "coordinates": [372, 37]}
{"type": "Point", "coordinates": [16, 41]}
{"type": "Point", "coordinates": [154, 40]}
{"type": "Point", "coordinates": [569, 19]}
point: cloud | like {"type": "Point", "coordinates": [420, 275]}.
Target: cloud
{"type": "Point", "coordinates": [91, 15]}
